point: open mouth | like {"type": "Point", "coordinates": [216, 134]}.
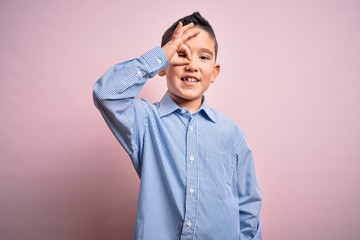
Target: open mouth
{"type": "Point", "coordinates": [188, 79]}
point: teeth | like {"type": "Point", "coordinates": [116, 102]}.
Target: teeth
{"type": "Point", "coordinates": [189, 79]}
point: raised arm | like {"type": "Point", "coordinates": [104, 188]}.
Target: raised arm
{"type": "Point", "coordinates": [114, 93]}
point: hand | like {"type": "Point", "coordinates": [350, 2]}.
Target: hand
{"type": "Point", "coordinates": [177, 52]}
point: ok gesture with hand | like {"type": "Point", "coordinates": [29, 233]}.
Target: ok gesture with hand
{"type": "Point", "coordinates": [177, 52]}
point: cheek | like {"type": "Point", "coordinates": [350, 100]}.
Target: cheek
{"type": "Point", "coordinates": [172, 71]}
{"type": "Point", "coordinates": [208, 72]}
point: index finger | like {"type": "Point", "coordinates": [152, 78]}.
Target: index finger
{"type": "Point", "coordinates": [187, 26]}
{"type": "Point", "coordinates": [181, 29]}
{"type": "Point", "coordinates": [190, 33]}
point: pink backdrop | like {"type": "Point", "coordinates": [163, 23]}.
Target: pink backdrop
{"type": "Point", "coordinates": [290, 78]}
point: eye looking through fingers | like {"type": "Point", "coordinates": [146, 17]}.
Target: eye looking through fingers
{"type": "Point", "coordinates": [184, 52]}
{"type": "Point", "coordinates": [181, 54]}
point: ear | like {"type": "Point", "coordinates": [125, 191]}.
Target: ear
{"type": "Point", "coordinates": [161, 73]}
{"type": "Point", "coordinates": [215, 72]}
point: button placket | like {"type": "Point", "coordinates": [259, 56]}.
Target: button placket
{"type": "Point", "coordinates": [191, 199]}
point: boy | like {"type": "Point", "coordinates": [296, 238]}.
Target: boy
{"type": "Point", "coordinates": [197, 174]}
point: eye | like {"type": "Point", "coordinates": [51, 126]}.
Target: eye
{"type": "Point", "coordinates": [181, 54]}
{"type": "Point", "coordinates": [204, 57]}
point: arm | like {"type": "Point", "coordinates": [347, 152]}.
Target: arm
{"type": "Point", "coordinates": [114, 95]}
{"type": "Point", "coordinates": [249, 194]}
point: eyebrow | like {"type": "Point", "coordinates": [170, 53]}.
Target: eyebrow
{"type": "Point", "coordinates": [207, 51]}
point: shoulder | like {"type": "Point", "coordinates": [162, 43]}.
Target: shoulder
{"type": "Point", "coordinates": [151, 108]}
{"type": "Point", "coordinates": [227, 126]}
{"type": "Point", "coordinates": [223, 119]}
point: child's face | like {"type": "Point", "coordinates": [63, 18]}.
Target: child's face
{"type": "Point", "coordinates": [187, 83]}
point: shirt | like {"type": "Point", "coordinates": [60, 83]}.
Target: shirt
{"type": "Point", "coordinates": [197, 175]}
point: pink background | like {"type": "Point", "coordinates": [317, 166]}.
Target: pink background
{"type": "Point", "coordinates": [290, 78]}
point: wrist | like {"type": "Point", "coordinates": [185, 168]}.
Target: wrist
{"type": "Point", "coordinates": [169, 50]}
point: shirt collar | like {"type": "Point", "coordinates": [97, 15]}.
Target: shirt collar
{"type": "Point", "coordinates": [168, 105]}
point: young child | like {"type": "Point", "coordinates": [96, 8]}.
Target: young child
{"type": "Point", "coordinates": [197, 172]}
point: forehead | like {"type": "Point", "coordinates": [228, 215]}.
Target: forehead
{"type": "Point", "coordinates": [202, 40]}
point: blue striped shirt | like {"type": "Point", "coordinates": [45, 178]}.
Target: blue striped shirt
{"type": "Point", "coordinates": [197, 172]}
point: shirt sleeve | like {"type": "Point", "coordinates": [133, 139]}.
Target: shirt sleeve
{"type": "Point", "coordinates": [248, 192]}
{"type": "Point", "coordinates": [114, 95]}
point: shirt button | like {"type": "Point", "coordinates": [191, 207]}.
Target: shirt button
{"type": "Point", "coordinates": [188, 223]}
{"type": "Point", "coordinates": [138, 73]}
{"type": "Point", "coordinates": [183, 111]}
{"type": "Point", "coordinates": [191, 128]}
{"type": "Point", "coordinates": [191, 190]}
{"type": "Point", "coordinates": [158, 61]}
{"type": "Point", "coordinates": [192, 158]}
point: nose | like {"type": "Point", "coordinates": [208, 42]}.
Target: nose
{"type": "Point", "coordinates": [191, 66]}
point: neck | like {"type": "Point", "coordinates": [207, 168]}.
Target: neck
{"type": "Point", "coordinates": [192, 105]}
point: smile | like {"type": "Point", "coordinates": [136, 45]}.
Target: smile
{"type": "Point", "coordinates": [189, 79]}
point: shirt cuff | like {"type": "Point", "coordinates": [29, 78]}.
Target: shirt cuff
{"type": "Point", "coordinates": [156, 59]}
